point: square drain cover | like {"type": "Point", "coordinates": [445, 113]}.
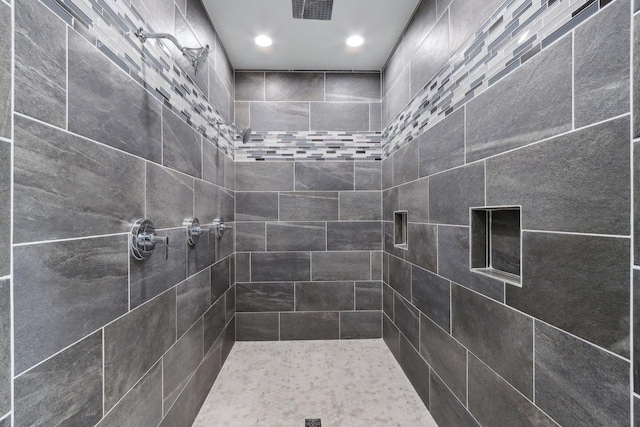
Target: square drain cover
{"type": "Point", "coordinates": [312, 422]}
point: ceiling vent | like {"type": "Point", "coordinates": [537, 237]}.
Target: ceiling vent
{"type": "Point", "coordinates": [313, 9]}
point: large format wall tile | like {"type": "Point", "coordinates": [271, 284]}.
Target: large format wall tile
{"type": "Point", "coordinates": [352, 87]}
{"type": "Point", "coordinates": [5, 346]}
{"type": "Point", "coordinates": [324, 296]}
{"type": "Point", "coordinates": [199, 21]}
{"type": "Point", "coordinates": [430, 56]}
{"type": "Point", "coordinates": [405, 164]}
{"type": "Point", "coordinates": [500, 336]}
{"type": "Point", "coordinates": [219, 96]}
{"type": "Point", "coordinates": [185, 409]}
{"type": "Point", "coordinates": [400, 276]}
{"type": "Point", "coordinates": [100, 192]}
{"type": "Point", "coordinates": [579, 284]}
{"type": "Point", "coordinates": [5, 208]}
{"type": "Point", "coordinates": [310, 326]}
{"type": "Point", "coordinates": [341, 266]}
{"type": "Point", "coordinates": [369, 295]}
{"type": "Point", "coordinates": [181, 145]}
{"type": "Point", "coordinates": [135, 342]}
{"type": "Point", "coordinates": [422, 245]}
{"type": "Point", "coordinates": [636, 86]}
{"type": "Point", "coordinates": [257, 206]}
{"type": "Point", "coordinates": [423, 20]}
{"type": "Point", "coordinates": [308, 206]}
{"type": "Point", "coordinates": [281, 116]}
{"type": "Point", "coordinates": [445, 408]}
{"type": "Point", "coordinates": [214, 322]}
{"type": "Point", "coordinates": [65, 390]}
{"type": "Point", "coordinates": [256, 176]}
{"type": "Point", "coordinates": [407, 317]}
{"type": "Point", "coordinates": [466, 20]}
{"type": "Point", "coordinates": [250, 236]}
{"type": "Point", "coordinates": [602, 65]}
{"type": "Point", "coordinates": [40, 64]}
{"type": "Point", "coordinates": [220, 278]}
{"type": "Point", "coordinates": [589, 189]}
{"type": "Point", "coordinates": [339, 116]}
{"type": "Point", "coordinates": [321, 176]}
{"type": "Point", "coordinates": [357, 235]}
{"type": "Point", "coordinates": [391, 336]}
{"type": "Point", "coordinates": [296, 236]}
{"type": "Point", "coordinates": [442, 146]}
{"type": "Point", "coordinates": [360, 324]}
{"type": "Point", "coordinates": [275, 267]}
{"type": "Point", "coordinates": [257, 326]}
{"type": "Point", "coordinates": [249, 86]}
{"type": "Point", "coordinates": [494, 402]}
{"type": "Point", "coordinates": [106, 105]}
{"type": "Point", "coordinates": [213, 163]}
{"type": "Point", "coordinates": [414, 198]}
{"type": "Point", "coordinates": [192, 300]}
{"type": "Point", "coordinates": [64, 291]}
{"type": "Point", "coordinates": [294, 87]}
{"type": "Point", "coordinates": [431, 294]}
{"type": "Point", "coordinates": [453, 192]}
{"type": "Point", "coordinates": [360, 205]}
{"type": "Point", "coordinates": [500, 119]}
{"type": "Point", "coordinates": [399, 95]}
{"type": "Point", "coordinates": [5, 71]}
{"type": "Point", "coordinates": [169, 197]}
{"type": "Point", "coordinates": [415, 368]}
{"type": "Point", "coordinates": [184, 33]}
{"type": "Point", "coordinates": [368, 176]}
{"type": "Point", "coordinates": [261, 297]}
{"type": "Point", "coordinates": [578, 384]}
{"type": "Point", "coordinates": [180, 361]}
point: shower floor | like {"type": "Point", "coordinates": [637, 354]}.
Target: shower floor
{"type": "Point", "coordinates": [344, 383]}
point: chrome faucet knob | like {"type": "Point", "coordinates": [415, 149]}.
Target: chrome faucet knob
{"type": "Point", "coordinates": [143, 240]}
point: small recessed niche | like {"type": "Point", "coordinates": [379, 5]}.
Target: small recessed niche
{"type": "Point", "coordinates": [400, 229]}
{"type": "Point", "coordinates": [496, 243]}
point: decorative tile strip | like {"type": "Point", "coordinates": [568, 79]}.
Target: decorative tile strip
{"type": "Point", "coordinates": [274, 146]}
{"type": "Point", "coordinates": [517, 31]}
{"type": "Point", "coordinates": [109, 25]}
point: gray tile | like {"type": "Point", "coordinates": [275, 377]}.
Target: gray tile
{"type": "Point", "coordinates": [353, 87]}
{"type": "Point", "coordinates": [214, 322]}
{"type": "Point", "coordinates": [309, 326]}
{"type": "Point", "coordinates": [126, 116]}
{"type": "Point", "coordinates": [375, 117]}
{"type": "Point", "coordinates": [407, 318]}
{"type": "Point", "coordinates": [243, 267]}
{"type": "Point", "coordinates": [5, 71]}
{"type": "Point", "coordinates": [387, 300]}
{"type": "Point", "coordinates": [250, 236]}
{"type": "Point", "coordinates": [219, 95]}
{"type": "Point", "coordinates": [257, 326]}
{"type": "Point", "coordinates": [207, 373]}
{"type": "Point", "coordinates": [453, 192]}
{"type": "Point", "coordinates": [309, 206]}
{"type": "Point", "coordinates": [261, 297]}
{"type": "Point", "coordinates": [229, 173]}
{"type": "Point", "coordinates": [210, 202]}
{"type": "Point", "coordinates": [181, 145]}
{"type": "Point", "coordinates": [279, 116]}
{"type": "Point", "coordinates": [376, 265]}
{"type": "Point", "coordinates": [399, 95]}
{"type": "Point", "coordinates": [202, 255]}
{"type": "Point", "coordinates": [360, 324]}
{"type": "Point", "coordinates": [579, 284]}
{"type": "Point", "coordinates": [141, 406]}
{"type": "Point", "coordinates": [228, 339]}
{"type": "Point", "coordinates": [387, 172]}
{"type": "Point", "coordinates": [453, 263]}
{"type": "Point", "coordinates": [385, 267]}
{"type": "Point", "coordinates": [393, 68]}
{"type": "Point", "coordinates": [324, 176]}
{"type": "Point", "coordinates": [250, 86]}
{"type": "Point", "coordinates": [636, 66]}
{"type": "Point", "coordinates": [601, 65]}
{"type": "Point", "coordinates": [358, 235]}
{"type": "Point", "coordinates": [193, 299]}
{"type": "Point", "coordinates": [220, 280]}
{"type": "Point", "coordinates": [198, 19]}
{"type": "Point", "coordinates": [415, 368]}
{"type": "Point", "coordinates": [369, 295]}
{"type": "Point", "coordinates": [275, 267]}
{"type": "Point", "coordinates": [391, 336]}
{"type": "Point", "coordinates": [431, 55]}
{"type": "Point", "coordinates": [599, 190]}
{"type": "Point", "coordinates": [466, 20]}
{"type": "Point", "coordinates": [423, 20]}
{"type": "Point", "coordinates": [414, 198]}
{"type": "Point", "coordinates": [431, 294]}
{"type": "Point", "coordinates": [577, 383]}
{"type": "Point", "coordinates": [445, 408]}
{"type": "Point", "coordinates": [41, 192]}
{"type": "Point", "coordinates": [5, 208]}
{"type": "Point", "coordinates": [213, 163]}
{"type": "Point", "coordinates": [135, 342]}
{"type": "Point", "coordinates": [186, 36]}
{"type": "Point", "coordinates": [500, 336]}
{"type": "Point", "coordinates": [169, 197]}
{"type": "Point", "coordinates": [503, 405]}
{"type": "Point", "coordinates": [155, 275]}
{"type": "Point", "coordinates": [324, 296]}
{"type": "Point", "coordinates": [360, 205]}
{"type": "Point", "coordinates": [294, 87]}
{"type": "Point", "coordinates": [339, 116]}
{"type": "Point", "coordinates": [185, 409]}
{"type": "Point", "coordinates": [160, 14]}
{"type": "Point", "coordinates": [5, 345]}
{"type": "Point", "coordinates": [405, 164]}
{"type": "Point", "coordinates": [442, 5]}
{"type": "Point", "coordinates": [296, 236]}
{"type": "Point", "coordinates": [87, 279]}
{"type": "Point", "coordinates": [241, 115]}
{"type": "Point", "coordinates": [505, 241]}
{"type": "Point", "coordinates": [40, 64]}
{"type": "Point", "coordinates": [223, 66]}
{"type": "Point", "coordinates": [256, 206]}
{"type": "Point", "coordinates": [445, 356]}
{"type": "Point", "coordinates": [423, 245]}
{"type": "Point", "coordinates": [442, 146]}
{"type": "Point", "coordinates": [400, 276]}
{"type": "Point", "coordinates": [500, 119]}
{"type": "Point", "coordinates": [389, 242]}
{"type": "Point", "coordinates": [272, 176]}
{"type": "Point", "coordinates": [340, 266]}
{"type": "Point", "coordinates": [64, 390]}
{"type": "Point", "coordinates": [230, 303]}
{"type": "Point", "coordinates": [180, 361]}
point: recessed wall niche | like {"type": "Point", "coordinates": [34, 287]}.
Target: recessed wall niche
{"type": "Point", "coordinates": [496, 243]}
{"type": "Point", "coordinates": [400, 229]}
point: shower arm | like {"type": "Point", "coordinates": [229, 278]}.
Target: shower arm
{"type": "Point", "coordinates": [195, 54]}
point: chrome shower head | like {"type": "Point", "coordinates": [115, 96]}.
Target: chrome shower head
{"type": "Point", "coordinates": [246, 135]}
{"type": "Point", "coordinates": [196, 55]}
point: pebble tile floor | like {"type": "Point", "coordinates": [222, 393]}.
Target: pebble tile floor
{"type": "Point", "coordinates": [344, 383]}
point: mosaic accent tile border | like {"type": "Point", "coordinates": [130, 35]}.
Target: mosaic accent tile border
{"type": "Point", "coordinates": [517, 31]}
{"type": "Point", "coordinates": [109, 25]}
{"type": "Point", "coordinates": [279, 146]}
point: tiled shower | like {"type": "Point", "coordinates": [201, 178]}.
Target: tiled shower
{"type": "Point", "coordinates": [472, 205]}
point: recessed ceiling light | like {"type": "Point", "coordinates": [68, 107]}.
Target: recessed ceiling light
{"type": "Point", "coordinates": [355, 41]}
{"type": "Point", "coordinates": [263, 41]}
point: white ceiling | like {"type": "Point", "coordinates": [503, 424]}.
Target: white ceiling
{"type": "Point", "coordinates": [309, 44]}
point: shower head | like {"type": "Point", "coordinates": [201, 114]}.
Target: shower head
{"type": "Point", "coordinates": [196, 55]}
{"type": "Point", "coordinates": [246, 135]}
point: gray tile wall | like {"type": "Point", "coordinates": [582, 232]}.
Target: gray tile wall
{"type": "Point", "coordinates": [309, 242]}
{"type": "Point", "coordinates": [556, 351]}
{"type": "Point", "coordinates": [101, 338]}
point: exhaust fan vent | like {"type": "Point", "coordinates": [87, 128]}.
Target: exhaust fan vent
{"type": "Point", "coordinates": [313, 9]}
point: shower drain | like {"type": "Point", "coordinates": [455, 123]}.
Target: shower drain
{"type": "Point", "coordinates": [312, 422]}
